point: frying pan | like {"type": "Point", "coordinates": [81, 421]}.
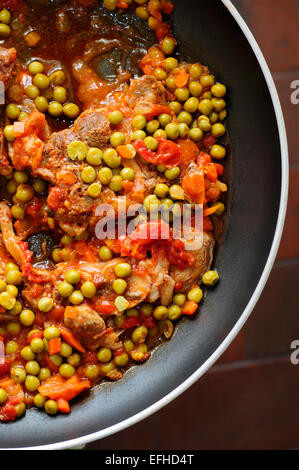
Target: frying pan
{"type": "Point", "coordinates": [257, 172]}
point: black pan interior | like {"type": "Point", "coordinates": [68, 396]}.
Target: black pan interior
{"type": "Point", "coordinates": [208, 33]}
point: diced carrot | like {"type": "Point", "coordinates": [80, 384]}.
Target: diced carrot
{"type": "Point", "coordinates": [32, 38]}
{"type": "Point", "coordinates": [54, 346]}
{"type": "Point", "coordinates": [63, 405]}
{"type": "Point", "coordinates": [181, 78]}
{"type": "Point", "coordinates": [189, 308]}
{"type": "Point", "coordinates": [70, 338]}
{"type": "Point", "coordinates": [210, 210]}
{"type": "Point", "coordinates": [126, 152]}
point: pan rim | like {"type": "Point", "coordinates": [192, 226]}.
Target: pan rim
{"type": "Point", "coordinates": [81, 441]}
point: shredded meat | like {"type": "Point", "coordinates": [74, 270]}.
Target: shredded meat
{"type": "Point", "coordinates": [7, 64]}
{"type": "Point", "coordinates": [86, 324]}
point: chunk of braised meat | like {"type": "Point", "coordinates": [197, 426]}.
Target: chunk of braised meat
{"type": "Point", "coordinates": [145, 92]}
{"type": "Point", "coordinates": [203, 259]}
{"type": "Point", "coordinates": [86, 324]}
{"type": "Point", "coordinates": [7, 64]}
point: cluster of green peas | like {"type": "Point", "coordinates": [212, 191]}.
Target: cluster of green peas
{"type": "Point", "coordinates": [31, 375]}
{"type": "Point", "coordinates": [5, 18]}
{"type": "Point", "coordinates": [21, 191]}
{"type": "Point", "coordinates": [110, 173]}
{"type": "Point", "coordinates": [88, 289]}
{"type": "Point", "coordinates": [43, 90]}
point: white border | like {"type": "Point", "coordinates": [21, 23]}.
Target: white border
{"type": "Point", "coordinates": [275, 245]}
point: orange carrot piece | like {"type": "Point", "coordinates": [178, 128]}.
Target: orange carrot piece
{"type": "Point", "coordinates": [63, 405]}
{"type": "Point", "coordinates": [181, 78]}
{"type": "Point", "coordinates": [210, 210]}
{"type": "Point", "coordinates": [56, 387]}
{"type": "Point", "coordinates": [190, 307]}
{"type": "Point", "coordinates": [70, 339]}
{"type": "Point", "coordinates": [126, 152]}
{"type": "Point", "coordinates": [54, 346]}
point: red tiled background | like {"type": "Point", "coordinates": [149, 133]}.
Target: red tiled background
{"type": "Point", "coordinates": [249, 399]}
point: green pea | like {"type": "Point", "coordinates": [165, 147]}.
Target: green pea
{"type": "Point", "coordinates": [176, 192]}
{"type": "Point", "coordinates": [119, 286]}
{"type": "Point", "coordinates": [94, 156]}
{"type": "Point", "coordinates": [105, 175]}
{"type": "Point", "coordinates": [172, 173]}
{"type": "Point", "coordinates": [127, 174]}
{"type": "Point", "coordinates": [57, 78]}
{"type": "Point", "coordinates": [218, 130]}
{"type": "Point", "coordinates": [116, 118]}
{"type": "Point", "coordinates": [207, 80]}
{"type": "Point", "coordinates": [204, 124]}
{"type": "Point", "coordinates": [39, 400]}
{"type": "Point", "coordinates": [37, 345]}
{"type": "Point", "coordinates": [210, 278]}
{"type": "Point", "coordinates": [41, 81]}
{"type": "Point", "coordinates": [5, 16]}
{"type": "Point", "coordinates": [45, 304]}
{"type": "Point", "coordinates": [5, 30]}
{"type": "Point", "coordinates": [51, 407]}
{"type": "Point", "coordinates": [161, 190]}
{"type": "Point", "coordinates": [195, 295]}
{"type": "Point", "coordinates": [183, 129]}
{"type": "Point", "coordinates": [12, 111]}
{"type": "Point", "coordinates": [111, 158]}
{"type": "Point", "coordinates": [139, 334]}
{"type": "Point", "coordinates": [35, 67]}
{"type": "Point", "coordinates": [92, 371]}
{"type": "Point", "coordinates": [74, 359]}
{"type": "Point", "coordinates": [56, 359]}
{"type": "Point", "coordinates": [170, 83]}
{"type": "Point", "coordinates": [3, 396]}
{"type": "Point", "coordinates": [27, 317]}
{"type": "Point", "coordinates": [174, 312]}
{"type": "Point", "coordinates": [170, 64]}
{"type": "Point", "coordinates": [65, 289]}
{"type": "Point", "coordinates": [17, 212]}
{"type": "Point", "coordinates": [195, 89]}
{"type": "Point", "coordinates": [105, 253]}
{"type": "Point", "coordinates": [172, 131]}
{"type": "Point", "coordinates": [13, 276]}
{"type": "Point", "coordinates": [66, 350]}
{"type": "Point", "coordinates": [66, 370]}
{"type": "Point", "coordinates": [32, 92]}
{"type": "Point", "coordinates": [94, 190]}
{"type": "Point", "coordinates": [123, 270]}
{"type": "Point", "coordinates": [151, 203]}
{"type": "Point", "coordinates": [51, 332]}
{"type": "Point", "coordinates": [160, 313]}
{"type": "Point", "coordinates": [104, 355]}
{"type": "Point", "coordinates": [195, 71]}
{"type": "Point", "coordinates": [218, 152]}
{"type": "Point", "coordinates": [221, 209]}
{"type": "Point", "coordinates": [60, 94]}
{"type": "Point", "coordinates": [138, 135]}
{"type": "Point", "coordinates": [121, 360]}
{"type": "Point", "coordinates": [88, 174]}
{"type": "Point", "coordinates": [116, 183]}
{"type": "Point", "coordinates": [71, 110]}
{"type": "Point", "coordinates": [185, 117]}
{"type": "Point", "coordinates": [7, 301]}
{"type": "Point", "coordinates": [139, 122]}
{"type": "Point", "coordinates": [168, 46]}
{"type": "Point", "coordinates": [151, 143]}
{"type": "Point", "coordinates": [32, 367]}
{"type": "Point", "coordinates": [72, 276]}
{"type": "Point", "coordinates": [182, 94]}
{"type": "Point", "coordinates": [18, 374]}
{"type": "Point", "coordinates": [175, 107]}
{"type": "Point", "coordinates": [23, 115]}
{"type": "Point", "coordinates": [152, 126]}
{"type": "Point", "coordinates": [205, 107]}
{"type": "Point", "coordinates": [55, 109]}
{"type": "Point", "coordinates": [160, 134]}
{"type": "Point", "coordinates": [88, 289]}
{"type": "Point", "coordinates": [118, 138]}
{"type": "Point", "coordinates": [39, 186]}
{"type": "Point", "coordinates": [12, 290]}
{"type": "Point", "coordinates": [196, 134]}
{"type": "Point", "coordinates": [191, 105]}
{"type": "Point", "coordinates": [179, 299]}
{"type": "Point", "coordinates": [76, 297]}
{"type": "Point", "coordinates": [160, 73]}
{"type": "Point", "coordinates": [11, 347]}
{"type": "Point", "coordinates": [8, 133]}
